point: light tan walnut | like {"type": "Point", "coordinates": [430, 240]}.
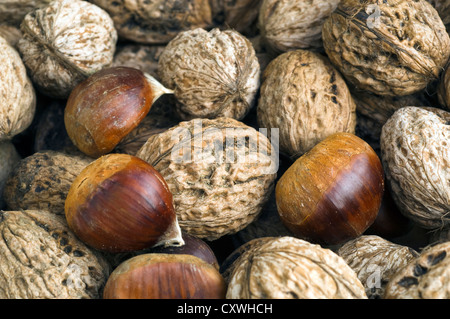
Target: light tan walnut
{"type": "Point", "coordinates": [213, 74]}
{"type": "Point", "coordinates": [415, 156]}
{"type": "Point", "coordinates": [392, 47]}
{"type": "Point", "coordinates": [65, 42]}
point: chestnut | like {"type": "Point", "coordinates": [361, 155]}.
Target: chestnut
{"type": "Point", "coordinates": [165, 276]}
{"type": "Point", "coordinates": [120, 203]}
{"type": "Point", "coordinates": [107, 106]}
{"type": "Point", "coordinates": [333, 192]}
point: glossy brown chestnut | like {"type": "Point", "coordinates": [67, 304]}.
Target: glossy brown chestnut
{"type": "Point", "coordinates": [120, 203]}
{"type": "Point", "coordinates": [333, 192]}
{"type": "Point", "coordinates": [165, 276]}
{"type": "Point", "coordinates": [108, 105]}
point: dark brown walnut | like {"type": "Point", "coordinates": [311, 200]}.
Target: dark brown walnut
{"type": "Point", "coordinates": [213, 74]}
{"type": "Point", "coordinates": [375, 260]}
{"type": "Point", "coordinates": [18, 97]}
{"type": "Point", "coordinates": [10, 33]}
{"type": "Point", "coordinates": [312, 101]}
{"type": "Point", "coordinates": [156, 21]}
{"type": "Point", "coordinates": [9, 159]}
{"type": "Point", "coordinates": [165, 276]}
{"type": "Point", "coordinates": [425, 277]}
{"type": "Point", "coordinates": [220, 172]}
{"type": "Point", "coordinates": [64, 42]}
{"type": "Point", "coordinates": [240, 15]}
{"type": "Point", "coordinates": [443, 9]}
{"type": "Point", "coordinates": [42, 181]}
{"type": "Point", "coordinates": [289, 25]}
{"type": "Point", "coordinates": [415, 154]}
{"type": "Point", "coordinates": [291, 268]}
{"type": "Point", "coordinates": [387, 47]}
{"type": "Point", "coordinates": [333, 192]}
{"type": "Point", "coordinates": [42, 259]}
{"type": "Point", "coordinates": [443, 88]}
{"type": "Point", "coordinates": [13, 11]}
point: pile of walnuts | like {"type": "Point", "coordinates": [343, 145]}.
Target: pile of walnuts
{"type": "Point", "coordinates": [245, 90]}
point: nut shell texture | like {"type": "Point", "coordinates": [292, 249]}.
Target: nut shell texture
{"type": "Point", "coordinates": [415, 153]}
{"type": "Point", "coordinates": [65, 42]}
{"type": "Point", "coordinates": [290, 268]}
{"type": "Point", "coordinates": [425, 277]}
{"type": "Point", "coordinates": [10, 157]}
{"type": "Point", "coordinates": [221, 186]}
{"type": "Point", "coordinates": [375, 260]}
{"type": "Point", "coordinates": [13, 11]}
{"type": "Point", "coordinates": [156, 21]}
{"type": "Point", "coordinates": [42, 259]}
{"type": "Point", "coordinates": [213, 73]}
{"type": "Point", "coordinates": [305, 97]}
{"type": "Point", "coordinates": [17, 95]}
{"type": "Point", "coordinates": [387, 47]}
{"type": "Point", "coordinates": [288, 25]}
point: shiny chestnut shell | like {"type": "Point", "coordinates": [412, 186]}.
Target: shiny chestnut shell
{"type": "Point", "coordinates": [333, 192]}
{"type": "Point", "coordinates": [107, 106]}
{"type": "Point", "coordinates": [165, 276]}
{"type": "Point", "coordinates": [120, 203]}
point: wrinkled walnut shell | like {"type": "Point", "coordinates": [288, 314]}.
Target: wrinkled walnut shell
{"type": "Point", "coordinates": [42, 259]}
{"type": "Point", "coordinates": [387, 47]}
{"type": "Point", "coordinates": [9, 159]}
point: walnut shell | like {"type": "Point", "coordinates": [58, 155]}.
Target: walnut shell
{"type": "Point", "coordinates": [375, 260]}
{"type": "Point", "coordinates": [306, 98]}
{"type": "Point", "coordinates": [10, 33]}
{"type": "Point", "coordinates": [425, 277]}
{"type": "Point", "coordinates": [221, 185]}
{"type": "Point", "coordinates": [415, 155]}
{"type": "Point", "coordinates": [391, 47]}
{"type": "Point", "coordinates": [156, 21]}
{"type": "Point", "coordinates": [17, 98]}
{"type": "Point", "coordinates": [291, 268]}
{"type": "Point", "coordinates": [42, 259]}
{"type": "Point", "coordinates": [214, 74]}
{"type": "Point", "coordinates": [42, 180]}
{"type": "Point", "coordinates": [443, 9]}
{"type": "Point", "coordinates": [65, 42]}
{"type": "Point", "coordinates": [9, 158]}
{"type": "Point", "coordinates": [241, 15]}
{"type": "Point", "coordinates": [13, 11]}
{"type": "Point", "coordinates": [287, 25]}
{"type": "Point", "coordinates": [443, 88]}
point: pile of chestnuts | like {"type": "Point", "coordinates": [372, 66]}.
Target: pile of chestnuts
{"type": "Point", "coordinates": [264, 149]}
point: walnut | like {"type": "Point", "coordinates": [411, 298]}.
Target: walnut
{"type": "Point", "coordinates": [443, 88]}
{"type": "Point", "coordinates": [415, 155]}
{"type": "Point", "coordinates": [13, 11]}
{"type": "Point", "coordinates": [392, 47]}
{"type": "Point", "coordinates": [42, 259]}
{"type": "Point", "coordinates": [42, 181]}
{"type": "Point", "coordinates": [10, 33]}
{"type": "Point", "coordinates": [156, 21]}
{"type": "Point", "coordinates": [65, 42]}
{"type": "Point", "coordinates": [425, 277]}
{"type": "Point", "coordinates": [375, 260]}
{"type": "Point", "coordinates": [289, 25]}
{"type": "Point", "coordinates": [213, 74]}
{"type": "Point", "coordinates": [443, 9]}
{"type": "Point", "coordinates": [241, 15]}
{"type": "Point", "coordinates": [139, 56]}
{"type": "Point", "coordinates": [9, 158]}
{"type": "Point", "coordinates": [311, 98]}
{"type": "Point", "coordinates": [291, 268]}
{"type": "Point", "coordinates": [220, 172]}
{"type": "Point", "coordinates": [17, 97]}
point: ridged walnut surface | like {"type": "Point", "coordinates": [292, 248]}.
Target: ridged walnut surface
{"type": "Point", "coordinates": [17, 95]}
{"type": "Point", "coordinates": [13, 11]}
{"type": "Point", "coordinates": [306, 98]}
{"type": "Point", "coordinates": [375, 260]}
{"type": "Point", "coordinates": [9, 159]}
{"type": "Point", "coordinates": [156, 21]}
{"type": "Point", "coordinates": [65, 42]}
{"type": "Point", "coordinates": [42, 181]}
{"type": "Point", "coordinates": [291, 268]}
{"type": "Point", "coordinates": [425, 277]}
{"type": "Point", "coordinates": [392, 47]}
{"type": "Point", "coordinates": [226, 181]}
{"type": "Point", "coordinates": [42, 259]}
{"type": "Point", "coordinates": [213, 73]}
{"type": "Point", "coordinates": [443, 9]}
{"type": "Point", "coordinates": [288, 25]}
{"type": "Point", "coordinates": [415, 156]}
